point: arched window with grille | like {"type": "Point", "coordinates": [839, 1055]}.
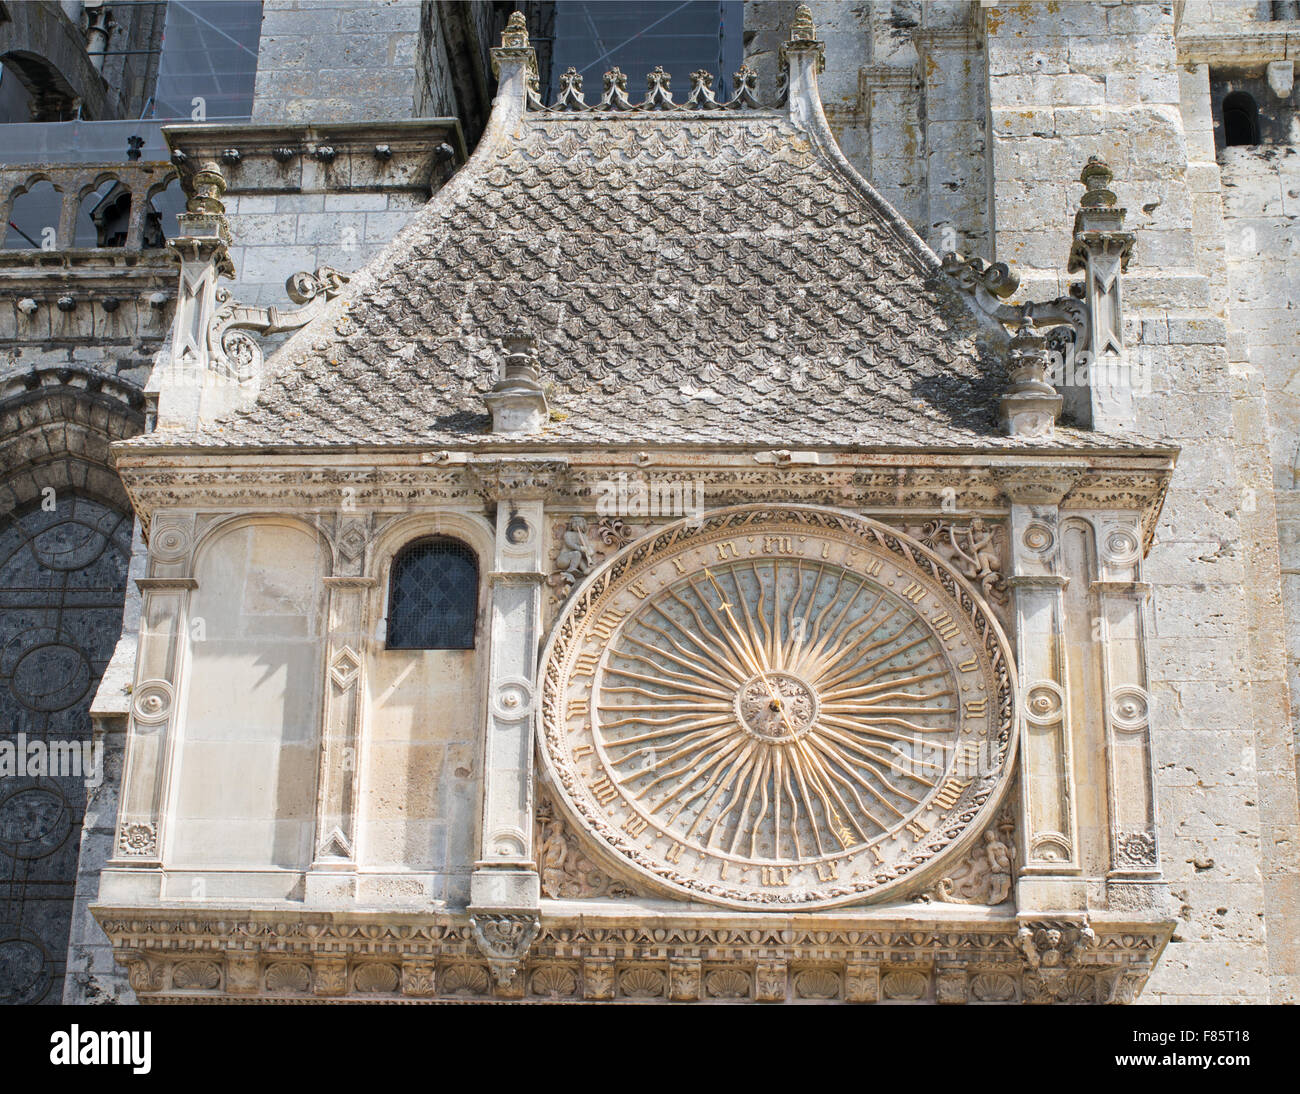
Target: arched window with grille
{"type": "Point", "coordinates": [433, 596]}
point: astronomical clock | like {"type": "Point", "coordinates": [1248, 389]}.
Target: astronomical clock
{"type": "Point", "coordinates": [774, 707]}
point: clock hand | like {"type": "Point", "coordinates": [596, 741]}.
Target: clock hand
{"type": "Point", "coordinates": [742, 646]}
{"type": "Point", "coordinates": [764, 669]}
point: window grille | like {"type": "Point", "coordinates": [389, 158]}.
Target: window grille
{"type": "Point", "coordinates": [433, 596]}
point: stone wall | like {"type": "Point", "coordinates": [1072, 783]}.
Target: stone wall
{"type": "Point", "coordinates": [1103, 79]}
{"type": "Point", "coordinates": [337, 61]}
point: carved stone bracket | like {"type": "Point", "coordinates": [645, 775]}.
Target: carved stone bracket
{"type": "Point", "coordinates": [1053, 952]}
{"type": "Point", "coordinates": [518, 479]}
{"type": "Point", "coordinates": [232, 349]}
{"type": "Point", "coordinates": [504, 938]}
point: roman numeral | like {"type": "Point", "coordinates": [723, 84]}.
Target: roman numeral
{"type": "Point", "coordinates": [943, 623]}
{"type": "Point", "coordinates": [950, 791]}
{"type": "Point", "coordinates": [604, 790]}
{"type": "Point", "coordinates": [976, 708]}
{"type": "Point", "coordinates": [604, 626]}
{"type": "Point", "coordinates": [913, 592]}
{"type": "Point", "coordinates": [639, 590]}
{"type": "Point", "coordinates": [634, 826]}
{"type": "Point", "coordinates": [917, 827]}
{"type": "Point", "coordinates": [726, 550]}
{"type": "Point", "coordinates": [585, 665]}
{"type": "Point", "coordinates": [583, 751]}
{"type": "Point", "coordinates": [776, 875]}
{"type": "Point", "coordinates": [674, 853]}
{"type": "Point", "coordinates": [828, 871]}
{"type": "Point", "coordinates": [872, 568]}
{"type": "Point", "coordinates": [968, 666]}
{"type": "Point", "coordinates": [579, 708]}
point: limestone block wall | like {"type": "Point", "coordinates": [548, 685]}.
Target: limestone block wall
{"type": "Point", "coordinates": [1261, 202]}
{"type": "Point", "coordinates": [276, 235]}
{"type": "Point", "coordinates": [337, 60]}
{"type": "Point", "coordinates": [1088, 79]}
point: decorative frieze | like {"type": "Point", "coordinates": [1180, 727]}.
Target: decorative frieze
{"type": "Point", "coordinates": [281, 956]}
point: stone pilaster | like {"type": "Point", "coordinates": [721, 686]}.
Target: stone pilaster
{"type": "Point", "coordinates": [139, 838]}
{"type": "Point", "coordinates": [1134, 880]}
{"type": "Point", "coordinates": [505, 875]}
{"type": "Point", "coordinates": [1051, 868]}
{"type": "Point", "coordinates": [333, 870]}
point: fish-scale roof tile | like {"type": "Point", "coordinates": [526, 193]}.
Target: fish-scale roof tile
{"type": "Point", "coordinates": [696, 279]}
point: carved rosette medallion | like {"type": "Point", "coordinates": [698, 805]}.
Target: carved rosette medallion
{"type": "Point", "coordinates": [778, 706]}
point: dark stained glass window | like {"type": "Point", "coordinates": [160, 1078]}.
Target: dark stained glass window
{"type": "Point", "coordinates": [433, 596]}
{"type": "Point", "coordinates": [635, 36]}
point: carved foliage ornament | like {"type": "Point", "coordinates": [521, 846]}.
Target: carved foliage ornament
{"type": "Point", "coordinates": [778, 706]}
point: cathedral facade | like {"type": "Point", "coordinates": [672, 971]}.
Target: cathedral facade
{"type": "Point", "coordinates": [535, 531]}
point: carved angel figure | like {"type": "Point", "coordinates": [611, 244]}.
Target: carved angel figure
{"type": "Point", "coordinates": [575, 556]}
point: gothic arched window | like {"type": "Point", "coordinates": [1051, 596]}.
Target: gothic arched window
{"type": "Point", "coordinates": [1240, 119]}
{"type": "Point", "coordinates": [433, 596]}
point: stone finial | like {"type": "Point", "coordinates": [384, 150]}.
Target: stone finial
{"type": "Point", "coordinates": [1096, 176]}
{"type": "Point", "coordinates": [515, 47]}
{"type": "Point", "coordinates": [803, 39]}
{"type": "Point", "coordinates": [515, 36]}
{"type": "Point", "coordinates": [571, 97]}
{"type": "Point", "coordinates": [206, 190]}
{"type": "Point", "coordinates": [701, 97]}
{"type": "Point", "coordinates": [517, 401]}
{"type": "Point", "coordinates": [615, 96]}
{"type": "Point", "coordinates": [1031, 405]}
{"type": "Point", "coordinates": [1101, 249]}
{"type": "Point", "coordinates": [1100, 220]}
{"type": "Point", "coordinates": [745, 82]}
{"type": "Point", "coordinates": [658, 97]}
{"type": "Point", "coordinates": [802, 29]}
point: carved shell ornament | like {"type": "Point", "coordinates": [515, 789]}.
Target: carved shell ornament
{"type": "Point", "coordinates": [778, 706]}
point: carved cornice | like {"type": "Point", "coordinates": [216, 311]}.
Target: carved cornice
{"type": "Point", "coordinates": [1257, 46]}
{"type": "Point", "coordinates": [1038, 487]}
{"type": "Point", "coordinates": [600, 953]}
{"type": "Point", "coordinates": [924, 485]}
{"type": "Point", "coordinates": [392, 155]}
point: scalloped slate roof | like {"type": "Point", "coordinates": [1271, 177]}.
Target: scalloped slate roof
{"type": "Point", "coordinates": [707, 278]}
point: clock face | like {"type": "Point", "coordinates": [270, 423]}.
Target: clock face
{"type": "Point", "coordinates": [778, 706]}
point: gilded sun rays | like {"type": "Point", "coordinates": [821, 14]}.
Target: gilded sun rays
{"type": "Point", "coordinates": [773, 709]}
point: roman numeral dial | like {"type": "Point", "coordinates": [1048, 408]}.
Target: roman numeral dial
{"type": "Point", "coordinates": [779, 715]}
